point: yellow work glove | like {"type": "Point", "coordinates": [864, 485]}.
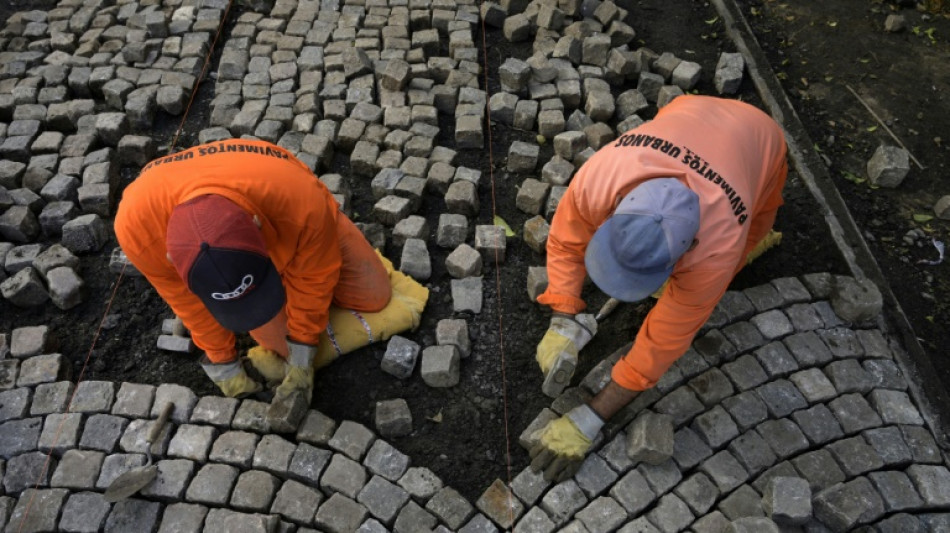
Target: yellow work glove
{"type": "Point", "coordinates": [563, 443]}
{"type": "Point", "coordinates": [299, 376]}
{"type": "Point", "coordinates": [557, 351]}
{"type": "Point", "coordinates": [230, 377]}
{"type": "Point", "coordinates": [774, 238]}
{"type": "Point", "coordinates": [269, 363]}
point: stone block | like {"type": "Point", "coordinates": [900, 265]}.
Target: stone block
{"type": "Point", "coordinates": [400, 357]}
{"type": "Point", "coordinates": [83, 512]}
{"type": "Point", "coordinates": [183, 517]}
{"type": "Point", "coordinates": [273, 454]}
{"type": "Point", "coordinates": [86, 233]}
{"type": "Point", "coordinates": [343, 475]}
{"type": "Point", "coordinates": [854, 413]}
{"type": "Point", "coordinates": [650, 438]}
{"type": "Point", "coordinates": [383, 499]}
{"type": "Point", "coordinates": [227, 521]}
{"type": "Point", "coordinates": [531, 196]}
{"type": "Point", "coordinates": [415, 260]}
{"type": "Point", "coordinates": [117, 464]}
{"type": "Point", "coordinates": [134, 400]}
{"type": "Point", "coordinates": [490, 242]}
{"type": "Point", "coordinates": [420, 482]}
{"type": "Point", "coordinates": [725, 471]}
{"type": "Point", "coordinates": [462, 198]}
{"type": "Point", "coordinates": [454, 332]}
{"type": "Point", "coordinates": [391, 209]}
{"type": "Point", "coordinates": [212, 484]}
{"type": "Point", "coordinates": [787, 500]}
{"type": "Point", "coordinates": [24, 289]}
{"type": "Point", "coordinates": [440, 366]}
{"type": "Point", "coordinates": [340, 513]}
{"type": "Point", "coordinates": [450, 506]}
{"type": "Point", "coordinates": [819, 468]}
{"type": "Point", "coordinates": [37, 510]}
{"type": "Point", "coordinates": [316, 428]}
{"type": "Point", "coordinates": [843, 506]}
{"type": "Point", "coordinates": [467, 294]}
{"type": "Point", "coordinates": [46, 368]}
{"type": "Point", "coordinates": [295, 502]}
{"type": "Point", "coordinates": [254, 491]}
{"type": "Point", "coordinates": [393, 418]}
{"type": "Point", "coordinates": [856, 300]}
{"type": "Point", "coordinates": [384, 460]}
{"type": "Point", "coordinates": [172, 480]}
{"type": "Point", "coordinates": [888, 166]}
{"type": "Point", "coordinates": [523, 157]}
{"type": "Point", "coordinates": [729, 70]}
{"type": "Point", "coordinates": [464, 262]}
{"type": "Point", "coordinates": [413, 227]}
{"type": "Point", "coordinates": [30, 340]}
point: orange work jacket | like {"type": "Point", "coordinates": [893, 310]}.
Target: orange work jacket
{"type": "Point", "coordinates": [298, 217]}
{"type": "Point", "coordinates": [728, 152]}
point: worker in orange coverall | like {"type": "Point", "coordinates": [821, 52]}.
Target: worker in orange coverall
{"type": "Point", "coordinates": [684, 198]}
{"type": "Point", "coordinates": [240, 236]}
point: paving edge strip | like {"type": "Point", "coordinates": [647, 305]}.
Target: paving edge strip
{"type": "Point", "coordinates": [925, 388]}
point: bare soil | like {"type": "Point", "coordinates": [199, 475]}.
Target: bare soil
{"type": "Point", "coordinates": [468, 434]}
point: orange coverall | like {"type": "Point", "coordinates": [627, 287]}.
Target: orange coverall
{"type": "Point", "coordinates": [320, 254]}
{"type": "Point", "coordinates": [728, 152]}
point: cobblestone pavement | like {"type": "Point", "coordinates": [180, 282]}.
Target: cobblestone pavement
{"type": "Point", "coordinates": [789, 413]}
{"type": "Point", "coordinates": [781, 413]}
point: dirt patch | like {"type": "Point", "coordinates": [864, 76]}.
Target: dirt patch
{"type": "Point", "coordinates": [466, 434]}
{"type": "Point", "coordinates": [821, 49]}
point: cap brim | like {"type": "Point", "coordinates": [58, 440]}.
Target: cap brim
{"type": "Point", "coordinates": [611, 277]}
{"type": "Point", "coordinates": [254, 309]}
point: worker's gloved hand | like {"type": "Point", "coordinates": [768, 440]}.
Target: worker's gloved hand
{"type": "Point", "coordinates": [563, 443]}
{"type": "Point", "coordinates": [299, 376]}
{"type": "Point", "coordinates": [230, 377]}
{"type": "Point", "coordinates": [566, 335]}
{"type": "Point", "coordinates": [272, 367]}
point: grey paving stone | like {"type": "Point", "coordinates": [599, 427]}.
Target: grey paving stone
{"type": "Point", "coordinates": [273, 454]}
{"type": "Point", "coordinates": [784, 437]}
{"type": "Point", "coordinates": [172, 480]}
{"type": "Point", "coordinates": [133, 400]}
{"type": "Point", "coordinates": [385, 460]}
{"type": "Point", "coordinates": [787, 501]}
{"type": "Point", "coordinates": [661, 477]}
{"type": "Point", "coordinates": [37, 510]}
{"type": "Point", "coordinates": [528, 486]}
{"type": "Point", "coordinates": [873, 343]}
{"type": "Point", "coordinates": [715, 427]}
{"type": "Point", "coordinates": [450, 507]}
{"type": "Point", "coordinates": [296, 502]}
{"type": "Point", "coordinates": [51, 398]}
{"type": "Point", "coordinates": [134, 438]}
{"type": "Point", "coordinates": [308, 462]}
{"type": "Point", "coordinates": [212, 484]}
{"type": "Point", "coordinates": [254, 491]}
{"type": "Point", "coordinates": [849, 376]}
{"type": "Point", "coordinates": [93, 397]}
{"type": "Point", "coordinates": [183, 518]}
{"type": "Point", "coordinates": [383, 499]}
{"type": "Point", "coordinates": [845, 505]}
{"type": "Point", "coordinates": [814, 385]}
{"type": "Point", "coordinates": [414, 518]}
{"type": "Point", "coordinates": [742, 503]}
{"type": "Point", "coordinates": [18, 436]}
{"type": "Point", "coordinates": [922, 445]}
{"type": "Point", "coordinates": [681, 404]}
{"type": "Point", "coordinates": [747, 409]}
{"type": "Point", "coordinates": [885, 374]}
{"type": "Point", "coordinates": [227, 521]}
{"type": "Point", "coordinates": [698, 492]}
{"type": "Point", "coordinates": [343, 475]}
{"type": "Point", "coordinates": [214, 410]}
{"type": "Point", "coordinates": [183, 398]}
{"type": "Point", "coordinates": [602, 515]}
{"type": "Point", "coordinates": [842, 342]}
{"type": "Point", "coordinates": [819, 468]}
{"type": "Point", "coordinates": [808, 349]}
{"type": "Point", "coordinates": [133, 515]}
{"type": "Point", "coordinates": [84, 512]}
{"type": "Point", "coordinates": [901, 523]}
{"type": "Point", "coordinates": [535, 521]}
{"type": "Point", "coordinates": [671, 514]}
{"type": "Point", "coordinates": [594, 476]}
{"type": "Point", "coordinates": [744, 336]}
{"type": "Point", "coordinates": [102, 432]}
{"type": "Point", "coordinates": [77, 470]}
{"type": "Point", "coordinates": [117, 464]}
{"type": "Point", "coordinates": [936, 521]}
{"type": "Point", "coordinates": [563, 500]}
{"type": "Point", "coordinates": [804, 317]}
{"type": "Point", "coordinates": [713, 522]}
{"type": "Point", "coordinates": [316, 428]}
{"type": "Point", "coordinates": [9, 371]}
{"type": "Point", "coordinates": [650, 438]}
{"type": "Point", "coordinates": [782, 469]}
{"type": "Point", "coordinates": [736, 306]}
{"type": "Point", "coordinates": [855, 456]}
{"type": "Point", "coordinates": [764, 297]}
{"type": "Point", "coordinates": [781, 397]}
{"type": "Point", "coordinates": [60, 432]}
{"type": "Point", "coordinates": [251, 415]}
{"type": "Point", "coordinates": [791, 289]}
{"type": "Point", "coordinates": [773, 324]}
{"type": "Point", "coordinates": [192, 442]}
{"type": "Point", "coordinates": [31, 469]}
{"type": "Point", "coordinates": [689, 449]}
{"type": "Point", "coordinates": [715, 347]}
{"type": "Point", "coordinates": [479, 524]}
{"type": "Point", "coordinates": [352, 439]}
{"type": "Point", "coordinates": [854, 413]}
{"type": "Point", "coordinates": [895, 407]}
{"type": "Point", "coordinates": [711, 387]}
{"type": "Point", "coordinates": [746, 372]}
{"type": "Point", "coordinates": [828, 315]}
{"type": "Point", "coordinates": [339, 514]}
{"type": "Point", "coordinates": [818, 424]}
{"type": "Point", "coordinates": [725, 471]}
{"type": "Point", "coordinates": [691, 364]}
{"type": "Point", "coordinates": [752, 452]}
{"type": "Point", "coordinates": [420, 482]}
{"type": "Point", "coordinates": [896, 489]}
{"type": "Point", "coordinates": [932, 482]}
{"type": "Point", "coordinates": [889, 444]}
{"type": "Point", "coordinates": [235, 448]}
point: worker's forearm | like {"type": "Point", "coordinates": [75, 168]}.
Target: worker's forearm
{"type": "Point", "coordinates": [611, 399]}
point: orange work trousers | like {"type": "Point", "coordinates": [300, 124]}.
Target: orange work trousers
{"type": "Point", "coordinates": [363, 285]}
